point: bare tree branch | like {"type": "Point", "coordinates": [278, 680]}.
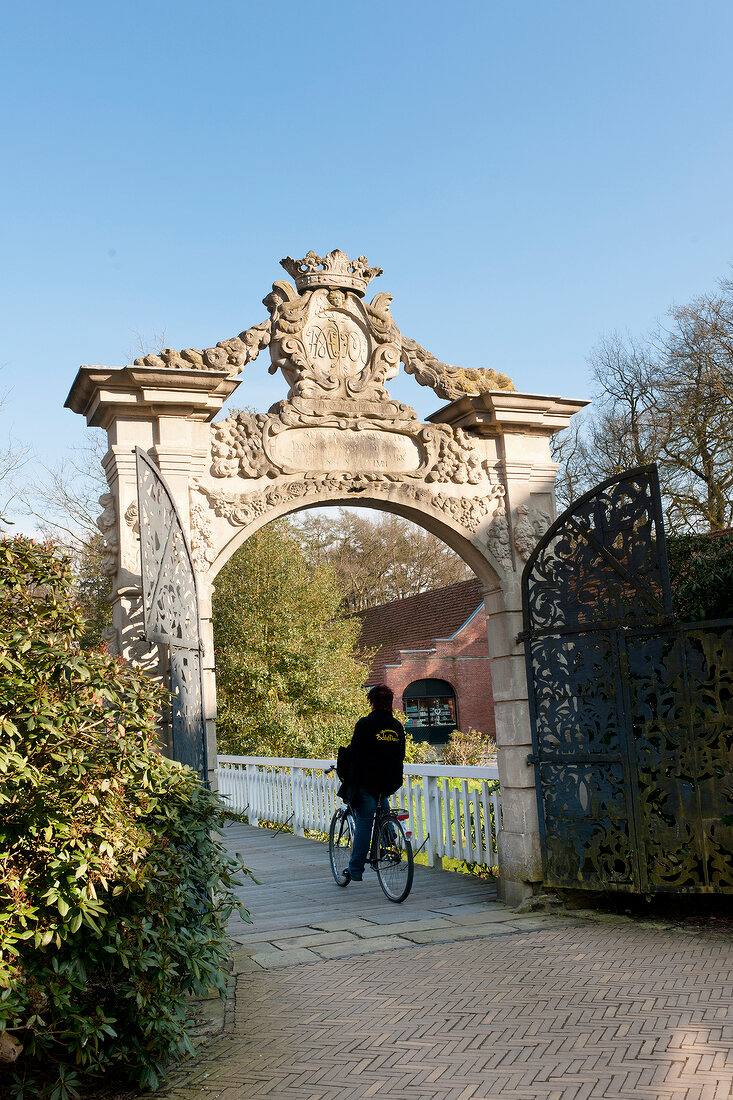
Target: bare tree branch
{"type": "Point", "coordinates": [668, 400]}
{"type": "Point", "coordinates": [13, 457]}
{"type": "Point", "coordinates": [65, 500]}
{"type": "Point", "coordinates": [378, 560]}
{"type": "Point", "coordinates": [144, 345]}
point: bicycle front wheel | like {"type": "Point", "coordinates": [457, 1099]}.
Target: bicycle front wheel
{"type": "Point", "coordinates": [395, 868]}
{"type": "Point", "coordinates": [340, 842]}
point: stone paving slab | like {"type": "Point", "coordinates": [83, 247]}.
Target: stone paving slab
{"type": "Point", "coordinates": [464, 907]}
{"type": "Point", "coordinates": [276, 957]}
{"type": "Point", "coordinates": [357, 925]}
{"type": "Point", "coordinates": [355, 937]}
{"type": "Point", "coordinates": [368, 930]}
{"type": "Point", "coordinates": [458, 932]}
{"type": "Point", "coordinates": [315, 939]}
{"type": "Point", "coordinates": [482, 915]}
{"type": "Point", "coordinates": [361, 947]}
{"type": "Point", "coordinates": [430, 914]}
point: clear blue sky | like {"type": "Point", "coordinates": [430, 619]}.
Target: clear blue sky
{"type": "Point", "coordinates": [529, 175]}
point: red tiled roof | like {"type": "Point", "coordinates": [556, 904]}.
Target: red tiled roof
{"type": "Point", "coordinates": [414, 622]}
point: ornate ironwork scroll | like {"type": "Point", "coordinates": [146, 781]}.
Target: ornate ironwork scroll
{"type": "Point", "coordinates": [170, 609]}
{"type": "Point", "coordinates": [632, 712]}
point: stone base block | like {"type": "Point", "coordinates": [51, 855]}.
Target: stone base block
{"type": "Point", "coordinates": [514, 893]}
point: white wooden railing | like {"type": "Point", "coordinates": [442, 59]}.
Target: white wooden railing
{"type": "Point", "coordinates": [455, 819]}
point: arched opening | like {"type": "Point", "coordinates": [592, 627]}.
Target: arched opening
{"type": "Point", "coordinates": [430, 710]}
{"type": "Point", "coordinates": [391, 630]}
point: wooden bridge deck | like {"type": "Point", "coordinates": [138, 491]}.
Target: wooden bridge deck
{"type": "Point", "coordinates": [301, 915]}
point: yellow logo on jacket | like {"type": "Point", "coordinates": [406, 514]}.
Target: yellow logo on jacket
{"type": "Point", "coordinates": [388, 735]}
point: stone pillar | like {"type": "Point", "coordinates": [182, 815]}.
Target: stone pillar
{"type": "Point", "coordinates": [165, 412]}
{"type": "Point", "coordinates": [520, 861]}
{"type": "Point", "coordinates": [517, 428]}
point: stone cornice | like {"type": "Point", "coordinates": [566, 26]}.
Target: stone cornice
{"type": "Point", "coordinates": [501, 412]}
{"type": "Point", "coordinates": [102, 394]}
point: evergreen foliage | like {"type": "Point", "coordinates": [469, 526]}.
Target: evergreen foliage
{"type": "Point", "coordinates": [288, 680]}
{"type": "Point", "coordinates": [469, 750]}
{"type": "Point", "coordinates": [113, 894]}
{"type": "Point", "coordinates": [701, 574]}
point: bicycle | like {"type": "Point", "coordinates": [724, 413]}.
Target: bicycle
{"type": "Point", "coordinates": [390, 849]}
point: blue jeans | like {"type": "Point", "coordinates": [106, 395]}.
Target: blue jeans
{"type": "Point", "coordinates": [365, 807]}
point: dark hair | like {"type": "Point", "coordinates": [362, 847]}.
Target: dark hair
{"type": "Point", "coordinates": [380, 696]}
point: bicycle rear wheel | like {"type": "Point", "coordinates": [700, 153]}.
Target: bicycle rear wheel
{"type": "Point", "coordinates": [395, 868]}
{"type": "Point", "coordinates": [340, 842]}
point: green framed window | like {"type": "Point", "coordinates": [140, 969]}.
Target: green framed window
{"type": "Point", "coordinates": [430, 710]}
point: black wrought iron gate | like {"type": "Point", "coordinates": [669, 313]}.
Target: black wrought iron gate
{"type": "Point", "coordinates": [171, 609]}
{"type": "Point", "coordinates": [632, 712]}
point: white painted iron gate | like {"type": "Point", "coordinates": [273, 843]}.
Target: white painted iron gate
{"type": "Point", "coordinates": [171, 609]}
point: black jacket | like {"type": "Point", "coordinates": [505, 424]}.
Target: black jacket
{"type": "Point", "coordinates": [377, 752]}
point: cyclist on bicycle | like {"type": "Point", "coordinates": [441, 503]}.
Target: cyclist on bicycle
{"type": "Point", "coordinates": [376, 755]}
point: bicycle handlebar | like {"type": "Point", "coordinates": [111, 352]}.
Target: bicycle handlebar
{"type": "Point", "coordinates": [329, 770]}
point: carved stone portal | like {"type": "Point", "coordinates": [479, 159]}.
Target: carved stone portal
{"type": "Point", "coordinates": [478, 473]}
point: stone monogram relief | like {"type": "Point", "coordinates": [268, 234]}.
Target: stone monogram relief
{"type": "Point", "coordinates": [338, 430]}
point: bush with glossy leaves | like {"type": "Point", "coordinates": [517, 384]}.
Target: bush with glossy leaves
{"type": "Point", "coordinates": [114, 889]}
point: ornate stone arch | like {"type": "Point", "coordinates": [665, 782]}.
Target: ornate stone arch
{"type": "Point", "coordinates": [482, 561]}
{"type": "Point", "coordinates": [478, 473]}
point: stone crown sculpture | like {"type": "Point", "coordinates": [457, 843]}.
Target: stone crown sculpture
{"type": "Point", "coordinates": [332, 270]}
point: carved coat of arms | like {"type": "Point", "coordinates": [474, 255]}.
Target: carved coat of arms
{"type": "Point", "coordinates": [335, 351]}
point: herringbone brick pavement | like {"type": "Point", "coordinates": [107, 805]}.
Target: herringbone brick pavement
{"type": "Point", "coordinates": [566, 1011]}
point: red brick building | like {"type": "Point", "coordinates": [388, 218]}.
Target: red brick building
{"type": "Point", "coordinates": [432, 650]}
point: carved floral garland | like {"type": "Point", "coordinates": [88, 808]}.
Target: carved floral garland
{"type": "Point", "coordinates": [242, 508]}
{"type": "Point", "coordinates": [237, 446]}
{"type": "Point", "coordinates": [202, 550]}
{"type": "Point", "coordinates": [238, 449]}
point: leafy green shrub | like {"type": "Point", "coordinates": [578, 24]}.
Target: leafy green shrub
{"type": "Point", "coordinates": [418, 752]}
{"type": "Point", "coordinates": [468, 750]}
{"type": "Point", "coordinates": [113, 894]}
{"type": "Point", "coordinates": [701, 574]}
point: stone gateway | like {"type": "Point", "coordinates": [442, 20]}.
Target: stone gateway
{"type": "Point", "coordinates": [478, 474]}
